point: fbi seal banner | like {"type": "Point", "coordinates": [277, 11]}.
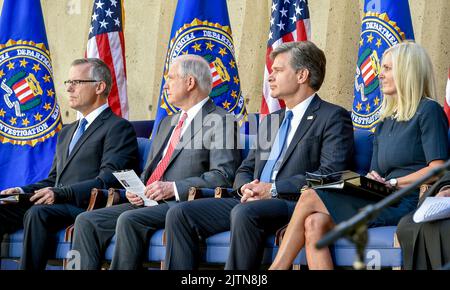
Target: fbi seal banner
{"type": "Point", "coordinates": [29, 113]}
{"type": "Point", "coordinates": [214, 43]}
{"type": "Point", "coordinates": [379, 32]}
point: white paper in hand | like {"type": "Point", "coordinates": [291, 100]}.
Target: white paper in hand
{"type": "Point", "coordinates": [433, 208]}
{"type": "Point", "coordinates": [132, 183]}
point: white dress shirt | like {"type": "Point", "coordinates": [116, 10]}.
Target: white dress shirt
{"type": "Point", "coordinates": [298, 111]}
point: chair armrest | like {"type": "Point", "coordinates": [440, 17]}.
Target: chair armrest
{"type": "Point", "coordinates": [280, 234]}
{"type": "Point", "coordinates": [196, 193]}
{"type": "Point", "coordinates": [115, 196]}
{"type": "Point", "coordinates": [98, 199]}
{"type": "Point", "coordinates": [222, 192]}
{"type": "Point", "coordinates": [424, 188]}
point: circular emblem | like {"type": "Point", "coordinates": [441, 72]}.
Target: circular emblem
{"type": "Point", "coordinates": [378, 34]}
{"type": "Point", "coordinates": [29, 113]}
{"type": "Point", "coordinates": [214, 43]}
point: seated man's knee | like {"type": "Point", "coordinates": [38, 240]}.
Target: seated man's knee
{"type": "Point", "coordinates": [36, 211]}
{"type": "Point", "coordinates": [125, 219]}
{"type": "Point", "coordinates": [241, 213]}
{"type": "Point", "coordinates": [176, 213]}
{"type": "Point", "coordinates": [82, 221]}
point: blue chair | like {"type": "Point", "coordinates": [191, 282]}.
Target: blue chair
{"type": "Point", "coordinates": [156, 250]}
{"type": "Point", "coordinates": [143, 128]}
{"type": "Point", "coordinates": [381, 245]}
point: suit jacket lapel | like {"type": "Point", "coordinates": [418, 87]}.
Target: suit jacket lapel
{"type": "Point", "coordinates": [66, 142]}
{"type": "Point", "coordinates": [89, 131]}
{"type": "Point", "coordinates": [207, 108]}
{"type": "Point", "coordinates": [307, 120]}
{"type": "Point", "coordinates": [64, 148]}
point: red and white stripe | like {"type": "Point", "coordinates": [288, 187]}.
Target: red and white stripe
{"type": "Point", "coordinates": [368, 72]}
{"type": "Point", "coordinates": [447, 98]}
{"type": "Point", "coordinates": [23, 91]}
{"type": "Point", "coordinates": [110, 48]}
{"type": "Point", "coordinates": [302, 33]}
{"type": "Point", "coordinates": [217, 80]}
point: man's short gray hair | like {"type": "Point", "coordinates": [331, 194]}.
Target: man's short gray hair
{"type": "Point", "coordinates": [305, 54]}
{"type": "Point", "coordinates": [197, 67]}
{"type": "Point", "coordinates": [99, 71]}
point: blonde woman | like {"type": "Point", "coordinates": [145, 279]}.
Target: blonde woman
{"type": "Point", "coordinates": [410, 139]}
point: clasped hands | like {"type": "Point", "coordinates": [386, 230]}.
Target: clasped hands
{"type": "Point", "coordinates": [255, 190]}
{"type": "Point", "coordinates": [158, 190]}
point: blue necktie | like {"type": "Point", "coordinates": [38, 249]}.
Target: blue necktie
{"type": "Point", "coordinates": [78, 134]}
{"type": "Point", "coordinates": [277, 148]}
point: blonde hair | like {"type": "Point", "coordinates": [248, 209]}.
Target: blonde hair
{"type": "Point", "coordinates": [414, 79]}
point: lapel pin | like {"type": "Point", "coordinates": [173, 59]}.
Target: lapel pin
{"type": "Point", "coordinates": [310, 118]}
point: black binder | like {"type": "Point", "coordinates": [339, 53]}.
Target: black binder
{"type": "Point", "coordinates": [349, 182]}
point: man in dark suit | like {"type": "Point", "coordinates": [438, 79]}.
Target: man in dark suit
{"type": "Point", "coordinates": [87, 152]}
{"type": "Point", "coordinates": [314, 136]}
{"type": "Point", "coordinates": [200, 158]}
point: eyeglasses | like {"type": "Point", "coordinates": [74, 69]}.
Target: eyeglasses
{"type": "Point", "coordinates": [75, 83]}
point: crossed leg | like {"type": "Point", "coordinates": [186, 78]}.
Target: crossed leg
{"type": "Point", "coordinates": [309, 222]}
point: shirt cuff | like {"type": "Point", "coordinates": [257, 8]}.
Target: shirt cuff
{"type": "Point", "coordinates": [177, 197]}
{"type": "Point", "coordinates": [20, 189]}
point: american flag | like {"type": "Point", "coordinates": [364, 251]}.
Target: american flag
{"type": "Point", "coordinates": [447, 98]}
{"type": "Point", "coordinates": [289, 21]}
{"type": "Point", "coordinates": [106, 41]}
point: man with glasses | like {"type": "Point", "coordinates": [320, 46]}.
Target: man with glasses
{"type": "Point", "coordinates": [87, 152]}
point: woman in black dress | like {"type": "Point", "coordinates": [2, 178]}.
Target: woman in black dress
{"type": "Point", "coordinates": [426, 245]}
{"type": "Point", "coordinates": [410, 139]}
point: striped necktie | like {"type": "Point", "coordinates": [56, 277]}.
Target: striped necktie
{"type": "Point", "coordinates": [162, 165]}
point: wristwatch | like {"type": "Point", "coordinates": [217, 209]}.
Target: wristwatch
{"type": "Point", "coordinates": [393, 182]}
{"type": "Point", "coordinates": [273, 191]}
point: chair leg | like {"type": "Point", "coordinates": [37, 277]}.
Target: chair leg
{"type": "Point", "coordinates": [396, 245]}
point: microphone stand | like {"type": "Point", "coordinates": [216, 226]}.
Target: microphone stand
{"type": "Point", "coordinates": [355, 228]}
